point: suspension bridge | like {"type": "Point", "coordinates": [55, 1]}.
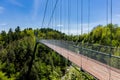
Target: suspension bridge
{"type": "Point", "coordinates": [96, 60]}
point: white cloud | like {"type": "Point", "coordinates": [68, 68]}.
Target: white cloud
{"type": "Point", "coordinates": [116, 19]}
{"type": "Point", "coordinates": [118, 15]}
{"type": "Point", "coordinates": [73, 28]}
{"type": "Point", "coordinates": [59, 25]}
{"type": "Point", "coordinates": [1, 9]}
{"type": "Point", "coordinates": [15, 2]}
{"type": "Point", "coordinates": [3, 24]}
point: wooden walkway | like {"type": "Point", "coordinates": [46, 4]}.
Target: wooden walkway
{"type": "Point", "coordinates": [97, 69]}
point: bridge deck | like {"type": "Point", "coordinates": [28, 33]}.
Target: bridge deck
{"type": "Point", "coordinates": [97, 69]}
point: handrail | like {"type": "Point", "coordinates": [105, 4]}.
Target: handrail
{"type": "Point", "coordinates": [96, 55]}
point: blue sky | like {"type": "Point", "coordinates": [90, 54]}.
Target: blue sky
{"type": "Point", "coordinates": [29, 13]}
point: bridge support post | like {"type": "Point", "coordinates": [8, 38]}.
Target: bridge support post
{"type": "Point", "coordinates": [81, 69]}
{"type": "Point", "coordinates": [32, 59]}
{"type": "Point", "coordinates": [31, 63]}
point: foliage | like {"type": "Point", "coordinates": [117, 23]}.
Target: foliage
{"type": "Point", "coordinates": [16, 50]}
{"type": "Point", "coordinates": [73, 73]}
{"type": "Point", "coordinates": [3, 77]}
{"type": "Point", "coordinates": [104, 35]}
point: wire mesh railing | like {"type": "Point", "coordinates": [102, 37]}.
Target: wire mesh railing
{"type": "Point", "coordinates": [89, 51]}
{"type": "Point", "coordinates": [102, 48]}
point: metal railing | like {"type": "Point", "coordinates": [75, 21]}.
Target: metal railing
{"type": "Point", "coordinates": [92, 52]}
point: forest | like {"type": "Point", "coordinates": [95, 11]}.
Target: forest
{"type": "Point", "coordinates": [17, 47]}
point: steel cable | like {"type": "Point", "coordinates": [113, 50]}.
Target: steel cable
{"type": "Point", "coordinates": [44, 12]}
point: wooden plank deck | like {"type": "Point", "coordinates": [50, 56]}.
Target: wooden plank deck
{"type": "Point", "coordinates": [97, 69]}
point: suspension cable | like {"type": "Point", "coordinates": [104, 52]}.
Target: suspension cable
{"type": "Point", "coordinates": [68, 24]}
{"type": "Point", "coordinates": [45, 12]}
{"type": "Point", "coordinates": [60, 15]}
{"type": "Point", "coordinates": [65, 24]}
{"type": "Point", "coordinates": [53, 16]}
{"type": "Point", "coordinates": [88, 20]}
{"type": "Point", "coordinates": [111, 20]}
{"type": "Point", "coordinates": [107, 17]}
{"type": "Point", "coordinates": [111, 10]}
{"type": "Point", "coordinates": [50, 8]}
{"type": "Point", "coordinates": [54, 22]}
{"type": "Point", "coordinates": [68, 16]}
{"type": "Point", "coordinates": [106, 26]}
{"type": "Point", "coordinates": [106, 12]}
{"type": "Point", "coordinates": [81, 27]}
{"type": "Point", "coordinates": [77, 20]}
{"type": "Point", "coordinates": [81, 17]}
{"type": "Point", "coordinates": [53, 12]}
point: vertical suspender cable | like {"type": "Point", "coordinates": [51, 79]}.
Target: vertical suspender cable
{"type": "Point", "coordinates": [81, 27]}
{"type": "Point", "coordinates": [68, 16]}
{"type": "Point", "coordinates": [52, 40]}
{"type": "Point", "coordinates": [111, 11]}
{"type": "Point", "coordinates": [111, 20]}
{"type": "Point", "coordinates": [68, 23]}
{"type": "Point", "coordinates": [88, 20]}
{"type": "Point", "coordinates": [106, 16]}
{"type": "Point", "coordinates": [64, 20]}
{"type": "Point", "coordinates": [50, 8]}
{"type": "Point", "coordinates": [77, 21]}
{"type": "Point", "coordinates": [106, 12]}
{"type": "Point", "coordinates": [69, 6]}
{"type": "Point", "coordinates": [54, 20]}
{"type": "Point", "coordinates": [88, 42]}
{"type": "Point", "coordinates": [68, 27]}
{"type": "Point", "coordinates": [54, 13]}
{"type": "Point", "coordinates": [53, 17]}
{"type": "Point", "coordinates": [77, 33]}
{"type": "Point", "coordinates": [60, 15]}
{"type": "Point", "coordinates": [111, 6]}
{"type": "Point", "coordinates": [65, 29]}
{"type": "Point", "coordinates": [44, 12]}
{"type": "Point", "coordinates": [107, 33]}
{"type": "Point", "coordinates": [81, 17]}
{"type": "Point", "coordinates": [60, 22]}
